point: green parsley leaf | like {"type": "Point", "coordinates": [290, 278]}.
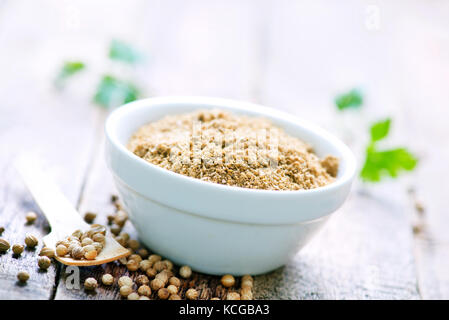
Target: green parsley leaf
{"type": "Point", "coordinates": [389, 162]}
{"type": "Point", "coordinates": [380, 130]}
{"type": "Point", "coordinates": [381, 163]}
{"type": "Point", "coordinates": [351, 99]}
{"type": "Point", "coordinates": [121, 51]}
{"type": "Point", "coordinates": [68, 69]}
{"type": "Point", "coordinates": [113, 92]}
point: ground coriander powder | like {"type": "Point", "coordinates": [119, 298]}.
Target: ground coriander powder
{"type": "Point", "coordinates": [235, 150]}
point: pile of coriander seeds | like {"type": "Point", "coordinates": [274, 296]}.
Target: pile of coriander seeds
{"type": "Point", "coordinates": [146, 277]}
{"type": "Point", "coordinates": [150, 276]}
{"type": "Point", "coordinates": [83, 245]}
{"type": "Point", "coordinates": [30, 241]}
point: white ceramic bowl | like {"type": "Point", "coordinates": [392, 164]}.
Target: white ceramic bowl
{"type": "Point", "coordinates": [213, 228]}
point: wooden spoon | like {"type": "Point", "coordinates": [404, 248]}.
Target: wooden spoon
{"type": "Point", "coordinates": [62, 216]}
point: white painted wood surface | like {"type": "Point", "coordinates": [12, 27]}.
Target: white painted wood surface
{"type": "Point", "coordinates": [291, 55]}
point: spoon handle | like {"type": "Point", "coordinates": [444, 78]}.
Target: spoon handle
{"type": "Point", "coordinates": [58, 210]}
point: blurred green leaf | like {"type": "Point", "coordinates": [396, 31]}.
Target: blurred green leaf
{"type": "Point", "coordinates": [380, 130]}
{"type": "Point", "coordinates": [351, 99]}
{"type": "Point", "coordinates": [68, 69]}
{"type": "Point", "coordinates": [122, 51]}
{"type": "Point", "coordinates": [389, 162]}
{"type": "Point", "coordinates": [112, 92]}
{"type": "Point", "coordinates": [382, 163]}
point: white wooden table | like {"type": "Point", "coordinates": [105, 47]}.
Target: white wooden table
{"type": "Point", "coordinates": [291, 55]}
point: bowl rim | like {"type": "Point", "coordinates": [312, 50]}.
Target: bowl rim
{"type": "Point", "coordinates": [346, 154]}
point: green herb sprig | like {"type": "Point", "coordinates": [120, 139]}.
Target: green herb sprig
{"type": "Point", "coordinates": [381, 163]}
{"type": "Point", "coordinates": [352, 99]}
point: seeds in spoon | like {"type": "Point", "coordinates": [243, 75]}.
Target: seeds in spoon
{"type": "Point", "coordinates": [61, 250]}
{"type": "Point", "coordinates": [77, 253]}
{"type": "Point", "coordinates": [47, 252]}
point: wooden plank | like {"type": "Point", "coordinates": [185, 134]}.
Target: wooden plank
{"type": "Point", "coordinates": [424, 77]}
{"type": "Point", "coordinates": [35, 121]}
{"type": "Point", "coordinates": [206, 49]}
{"type": "Point", "coordinates": [366, 250]}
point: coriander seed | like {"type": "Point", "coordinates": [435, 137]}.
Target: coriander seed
{"type": "Point", "coordinates": [17, 249]}
{"type": "Point", "coordinates": [44, 262]}
{"type": "Point", "coordinates": [115, 230]}
{"type": "Point", "coordinates": [133, 244]}
{"type": "Point", "coordinates": [172, 289]}
{"type": "Point", "coordinates": [132, 265]}
{"type": "Point", "coordinates": [185, 272]}
{"type": "Point", "coordinates": [133, 296]}
{"type": "Point", "coordinates": [168, 264]}
{"type": "Point", "coordinates": [144, 290]}
{"type": "Point", "coordinates": [91, 254]}
{"type": "Point", "coordinates": [98, 237]}
{"type": "Point", "coordinates": [77, 234]}
{"type": "Point", "coordinates": [89, 217]}
{"type": "Point", "coordinates": [86, 242]}
{"type": "Point", "coordinates": [23, 276]}
{"type": "Point", "coordinates": [163, 293]}
{"type": "Point", "coordinates": [61, 250]}
{"type": "Point", "coordinates": [47, 252]}
{"type": "Point", "coordinates": [233, 296]}
{"type": "Point", "coordinates": [144, 298]}
{"type": "Point", "coordinates": [125, 281]}
{"type": "Point", "coordinates": [31, 241]}
{"type": "Point", "coordinates": [142, 280]}
{"type": "Point", "coordinates": [227, 280]}
{"type": "Point", "coordinates": [192, 294]}
{"type": "Point", "coordinates": [143, 253]}
{"type": "Point", "coordinates": [90, 284]}
{"type": "Point", "coordinates": [156, 284]}
{"type": "Point", "coordinates": [4, 245]}
{"type": "Point", "coordinates": [159, 266]}
{"type": "Point", "coordinates": [135, 257]}
{"type": "Point", "coordinates": [174, 281]}
{"type": "Point", "coordinates": [246, 295]}
{"type": "Point", "coordinates": [151, 272]}
{"type": "Point", "coordinates": [144, 265]}
{"type": "Point", "coordinates": [77, 253]}
{"type": "Point", "coordinates": [114, 198]}
{"type": "Point", "coordinates": [174, 297]}
{"type": "Point", "coordinates": [31, 217]}
{"type": "Point", "coordinates": [125, 291]}
{"type": "Point", "coordinates": [107, 279]}
{"type": "Point", "coordinates": [246, 284]}
{"type": "Point", "coordinates": [154, 258]}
